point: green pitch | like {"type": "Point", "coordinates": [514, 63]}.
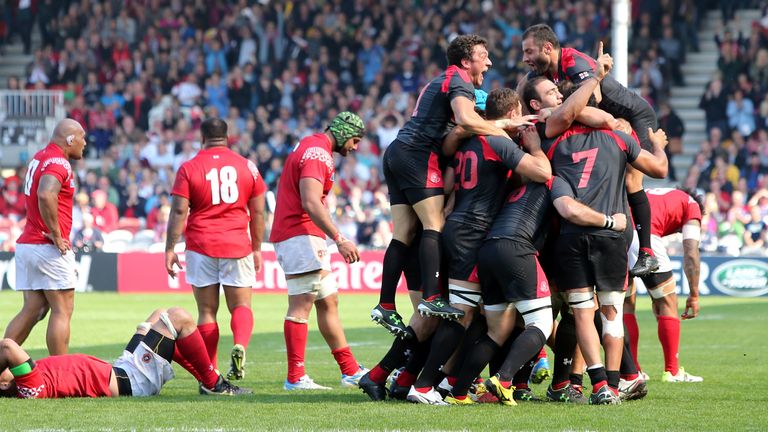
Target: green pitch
{"type": "Point", "coordinates": [727, 345]}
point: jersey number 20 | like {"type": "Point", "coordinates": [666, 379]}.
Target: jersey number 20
{"type": "Point", "coordinates": [223, 185]}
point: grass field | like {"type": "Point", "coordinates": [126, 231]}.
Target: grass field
{"type": "Point", "coordinates": [726, 345]}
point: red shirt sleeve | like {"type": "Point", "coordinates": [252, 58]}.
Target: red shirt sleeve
{"type": "Point", "coordinates": [316, 163]}
{"type": "Point", "coordinates": [181, 184]}
{"type": "Point", "coordinates": [31, 385]}
{"type": "Point", "coordinates": [259, 187]}
{"type": "Point", "coordinates": [56, 167]}
{"type": "Point", "coordinates": [692, 211]}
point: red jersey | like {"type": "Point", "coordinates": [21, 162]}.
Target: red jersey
{"type": "Point", "coordinates": [218, 184]}
{"type": "Point", "coordinates": [670, 210]}
{"type": "Point", "coordinates": [71, 375]}
{"type": "Point", "coordinates": [48, 161]}
{"type": "Point", "coordinates": [311, 158]}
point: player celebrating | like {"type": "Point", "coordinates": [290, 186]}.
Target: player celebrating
{"type": "Point", "coordinates": [482, 166]}
{"type": "Point", "coordinates": [45, 263]}
{"type": "Point", "coordinates": [542, 52]}
{"type": "Point", "coordinates": [673, 211]}
{"type": "Point", "coordinates": [224, 196]}
{"type": "Point", "coordinates": [414, 176]}
{"type": "Point", "coordinates": [142, 369]}
{"type": "Point", "coordinates": [301, 225]}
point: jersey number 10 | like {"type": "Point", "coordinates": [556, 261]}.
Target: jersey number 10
{"type": "Point", "coordinates": [223, 185]}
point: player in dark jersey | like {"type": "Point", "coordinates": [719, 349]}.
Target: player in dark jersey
{"type": "Point", "coordinates": [142, 369]}
{"type": "Point", "coordinates": [414, 176]}
{"type": "Point", "coordinates": [593, 257]}
{"type": "Point", "coordinates": [513, 281]}
{"type": "Point", "coordinates": [542, 52]}
{"type": "Point", "coordinates": [482, 166]}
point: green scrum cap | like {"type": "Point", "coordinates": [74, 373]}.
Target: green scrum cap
{"type": "Point", "coordinates": [345, 126]}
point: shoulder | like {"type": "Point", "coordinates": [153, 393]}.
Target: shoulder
{"type": "Point", "coordinates": [54, 162]}
{"type": "Point", "coordinates": [316, 153]}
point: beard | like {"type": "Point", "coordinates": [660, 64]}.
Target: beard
{"type": "Point", "coordinates": [541, 65]}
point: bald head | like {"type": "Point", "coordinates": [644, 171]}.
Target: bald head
{"type": "Point", "coordinates": [70, 136]}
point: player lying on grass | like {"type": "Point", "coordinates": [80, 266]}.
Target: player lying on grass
{"type": "Point", "coordinates": [142, 369]}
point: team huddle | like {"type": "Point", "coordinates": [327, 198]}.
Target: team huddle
{"type": "Point", "coordinates": [501, 223]}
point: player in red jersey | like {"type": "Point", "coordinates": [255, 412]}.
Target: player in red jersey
{"type": "Point", "coordinates": [299, 234]}
{"type": "Point", "coordinates": [224, 196]}
{"type": "Point", "coordinates": [542, 52]}
{"type": "Point", "coordinates": [45, 263]}
{"type": "Point", "coordinates": [673, 211]}
{"type": "Point", "coordinates": [142, 369]}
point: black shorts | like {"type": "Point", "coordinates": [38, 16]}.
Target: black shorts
{"type": "Point", "coordinates": [461, 242]}
{"type": "Point", "coordinates": [509, 271]}
{"type": "Point", "coordinates": [587, 260]}
{"type": "Point", "coordinates": [638, 112]}
{"type": "Point", "coordinates": [412, 174]}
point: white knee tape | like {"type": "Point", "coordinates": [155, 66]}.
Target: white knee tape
{"type": "Point", "coordinates": [328, 286]}
{"type": "Point", "coordinates": [614, 327]}
{"type": "Point", "coordinates": [541, 319]}
{"type": "Point", "coordinates": [296, 320]}
{"type": "Point", "coordinates": [581, 300]}
{"type": "Point", "coordinates": [168, 324]}
{"type": "Point", "coordinates": [613, 298]}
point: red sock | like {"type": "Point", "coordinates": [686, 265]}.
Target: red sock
{"type": "Point", "coordinates": [183, 362]}
{"type": "Point", "coordinates": [242, 325]}
{"type": "Point", "coordinates": [649, 251]}
{"type": "Point", "coordinates": [669, 336]}
{"type": "Point", "coordinates": [633, 333]}
{"type": "Point", "coordinates": [387, 306]}
{"type": "Point", "coordinates": [596, 386]}
{"type": "Point", "coordinates": [542, 353]}
{"type": "Point", "coordinates": [346, 361]}
{"type": "Point", "coordinates": [295, 346]}
{"type": "Point", "coordinates": [432, 297]}
{"type": "Point", "coordinates": [560, 385]}
{"type": "Point", "coordinates": [210, 334]}
{"type": "Point", "coordinates": [194, 350]}
{"type": "Point", "coordinates": [452, 380]}
{"type": "Point", "coordinates": [379, 375]}
{"type": "Point", "coordinates": [406, 379]}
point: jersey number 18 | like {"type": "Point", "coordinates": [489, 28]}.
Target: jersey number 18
{"type": "Point", "coordinates": [223, 185]}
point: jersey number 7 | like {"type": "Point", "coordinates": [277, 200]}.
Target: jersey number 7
{"type": "Point", "coordinates": [590, 156]}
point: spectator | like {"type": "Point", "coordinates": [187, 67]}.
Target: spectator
{"type": "Point", "coordinates": [714, 102]}
{"type": "Point", "coordinates": [88, 238]}
{"type": "Point", "coordinates": [674, 127]}
{"type": "Point", "coordinates": [104, 213]}
{"type": "Point", "coordinates": [740, 111]}
{"type": "Point", "coordinates": [755, 234]}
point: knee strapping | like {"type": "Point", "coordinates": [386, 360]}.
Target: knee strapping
{"type": "Point", "coordinates": [166, 320]}
{"type": "Point", "coordinates": [296, 320]}
{"type": "Point", "coordinates": [461, 295]}
{"type": "Point", "coordinates": [537, 313]}
{"type": "Point", "coordinates": [328, 286]}
{"type": "Point", "coordinates": [581, 300]}
{"type": "Point", "coordinates": [614, 327]}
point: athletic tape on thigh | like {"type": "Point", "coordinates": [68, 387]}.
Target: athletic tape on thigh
{"type": "Point", "coordinates": [581, 300]}
{"type": "Point", "coordinates": [328, 286]}
{"type": "Point", "coordinates": [307, 284]}
{"type": "Point", "coordinates": [160, 344]}
{"type": "Point", "coordinates": [498, 307]}
{"type": "Point", "coordinates": [613, 298]}
{"type": "Point", "coordinates": [463, 295]}
{"type": "Point", "coordinates": [168, 324]}
{"type": "Point", "coordinates": [666, 288]}
{"type": "Point", "coordinates": [537, 313]}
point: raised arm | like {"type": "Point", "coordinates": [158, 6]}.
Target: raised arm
{"type": "Point", "coordinates": [654, 164]}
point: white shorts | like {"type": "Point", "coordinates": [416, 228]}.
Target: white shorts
{"type": "Point", "coordinates": [303, 254]}
{"type": "Point", "coordinates": [43, 267]}
{"type": "Point", "coordinates": [657, 244]}
{"type": "Point", "coordinates": [203, 270]}
{"type": "Point", "coordinates": [147, 371]}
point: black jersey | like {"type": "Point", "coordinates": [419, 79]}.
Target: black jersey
{"type": "Point", "coordinates": [432, 117]}
{"type": "Point", "coordinates": [482, 166]}
{"type": "Point", "coordinates": [526, 216]}
{"type": "Point", "coordinates": [593, 163]}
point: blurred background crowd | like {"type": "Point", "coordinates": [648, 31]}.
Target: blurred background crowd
{"type": "Point", "coordinates": [140, 75]}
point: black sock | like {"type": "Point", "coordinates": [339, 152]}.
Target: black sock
{"type": "Point", "coordinates": [577, 379]}
{"type": "Point", "coordinates": [399, 352]}
{"type": "Point", "coordinates": [394, 262]}
{"type": "Point", "coordinates": [447, 338]}
{"type": "Point", "coordinates": [597, 375]}
{"type": "Point", "coordinates": [418, 357]}
{"type": "Point", "coordinates": [520, 380]}
{"type": "Point", "coordinates": [474, 332]}
{"type": "Point", "coordinates": [627, 366]}
{"type": "Point", "coordinates": [641, 215]}
{"type": "Point", "coordinates": [430, 251]}
{"type": "Point", "coordinates": [565, 346]}
{"type": "Point", "coordinates": [613, 378]}
{"type": "Point", "coordinates": [476, 360]}
{"type": "Point", "coordinates": [498, 359]}
{"type": "Point", "coordinates": [526, 345]}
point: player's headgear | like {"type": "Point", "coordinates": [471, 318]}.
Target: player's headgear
{"type": "Point", "coordinates": [480, 98]}
{"type": "Point", "coordinates": [345, 126]}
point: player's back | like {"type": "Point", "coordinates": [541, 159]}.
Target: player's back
{"type": "Point", "coordinates": [48, 161]}
{"type": "Point", "coordinates": [432, 118]}
{"type": "Point", "coordinates": [482, 167]}
{"type": "Point", "coordinates": [593, 163]}
{"type": "Point", "coordinates": [525, 215]}
{"type": "Point", "coordinates": [218, 184]}
{"type": "Point", "coordinates": [71, 375]}
{"type": "Point", "coordinates": [670, 210]}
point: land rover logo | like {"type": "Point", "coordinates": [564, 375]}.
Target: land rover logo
{"type": "Point", "coordinates": [742, 278]}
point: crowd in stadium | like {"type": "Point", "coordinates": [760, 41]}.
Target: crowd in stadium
{"type": "Point", "coordinates": [141, 76]}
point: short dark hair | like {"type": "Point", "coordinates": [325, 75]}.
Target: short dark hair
{"type": "Point", "coordinates": [461, 48]}
{"type": "Point", "coordinates": [500, 102]}
{"type": "Point", "coordinates": [213, 128]}
{"type": "Point", "coordinates": [542, 33]}
{"type": "Point", "coordinates": [567, 88]}
{"type": "Point", "coordinates": [529, 90]}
